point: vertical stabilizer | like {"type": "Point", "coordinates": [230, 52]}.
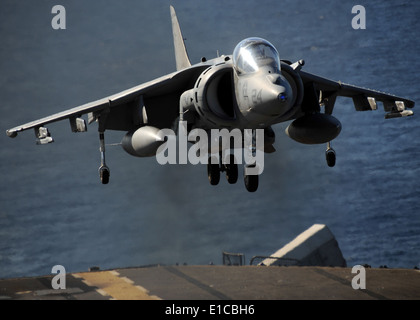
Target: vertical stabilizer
{"type": "Point", "coordinates": [181, 55]}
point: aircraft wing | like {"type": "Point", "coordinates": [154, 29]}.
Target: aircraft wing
{"type": "Point", "coordinates": [158, 100]}
{"type": "Point", "coordinates": [363, 99]}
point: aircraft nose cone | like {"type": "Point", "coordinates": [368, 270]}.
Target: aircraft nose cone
{"type": "Point", "coordinates": [282, 93]}
{"type": "Point", "coordinates": [279, 87]}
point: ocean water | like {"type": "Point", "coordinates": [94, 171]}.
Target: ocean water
{"type": "Point", "coordinates": [53, 209]}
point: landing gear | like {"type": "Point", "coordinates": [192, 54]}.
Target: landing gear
{"type": "Point", "coordinates": [330, 155]}
{"type": "Point", "coordinates": [214, 169]}
{"type": "Point", "coordinates": [104, 174]}
{"type": "Point", "coordinates": [213, 172]}
{"type": "Point", "coordinates": [104, 171]}
{"type": "Point", "coordinates": [251, 182]}
{"type": "Point", "coordinates": [231, 170]}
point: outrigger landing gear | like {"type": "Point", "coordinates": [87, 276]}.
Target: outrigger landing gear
{"type": "Point", "coordinates": [330, 155]}
{"type": "Point", "coordinates": [104, 171]}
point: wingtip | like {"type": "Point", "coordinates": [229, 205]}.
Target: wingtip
{"type": "Point", "coordinates": [11, 133]}
{"type": "Point", "coordinates": [411, 104]}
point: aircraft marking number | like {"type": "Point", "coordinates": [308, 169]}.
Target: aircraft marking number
{"type": "Point", "coordinates": [256, 96]}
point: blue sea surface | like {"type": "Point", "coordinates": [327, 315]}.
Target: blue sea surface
{"type": "Point", "coordinates": [53, 209]}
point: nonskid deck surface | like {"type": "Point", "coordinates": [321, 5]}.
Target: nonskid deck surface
{"type": "Point", "coordinates": [219, 283]}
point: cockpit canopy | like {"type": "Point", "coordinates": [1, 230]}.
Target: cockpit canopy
{"type": "Point", "coordinates": [253, 53]}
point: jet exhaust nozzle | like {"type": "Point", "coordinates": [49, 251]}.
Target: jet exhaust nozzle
{"type": "Point", "coordinates": [314, 128]}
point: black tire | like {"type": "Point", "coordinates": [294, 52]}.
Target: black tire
{"type": "Point", "coordinates": [104, 175]}
{"type": "Point", "coordinates": [251, 182]}
{"type": "Point", "coordinates": [330, 157]}
{"type": "Point", "coordinates": [232, 170]}
{"type": "Point", "coordinates": [213, 173]}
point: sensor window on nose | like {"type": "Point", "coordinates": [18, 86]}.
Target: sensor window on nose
{"type": "Point", "coordinates": [282, 97]}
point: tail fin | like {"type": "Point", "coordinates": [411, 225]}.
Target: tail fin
{"type": "Point", "coordinates": [181, 55]}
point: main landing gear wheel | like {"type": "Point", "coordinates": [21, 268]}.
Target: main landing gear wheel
{"type": "Point", "coordinates": [213, 172]}
{"type": "Point", "coordinates": [231, 170]}
{"type": "Point", "coordinates": [330, 156]}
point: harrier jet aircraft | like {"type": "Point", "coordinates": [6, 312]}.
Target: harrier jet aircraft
{"type": "Point", "coordinates": [251, 89]}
